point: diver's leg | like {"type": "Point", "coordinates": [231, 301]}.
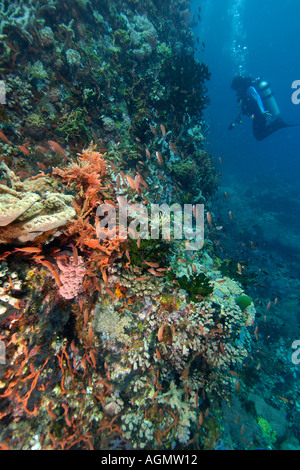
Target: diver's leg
{"type": "Point", "coordinates": [262, 129]}
{"type": "Point", "coordinates": [259, 128]}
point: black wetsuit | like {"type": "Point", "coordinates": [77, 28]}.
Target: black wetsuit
{"type": "Point", "coordinates": [252, 106]}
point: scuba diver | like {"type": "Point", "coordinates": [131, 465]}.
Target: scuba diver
{"type": "Point", "coordinates": [256, 100]}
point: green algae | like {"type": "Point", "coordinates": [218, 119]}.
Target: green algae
{"type": "Point", "coordinates": [197, 287]}
{"type": "Point", "coordinates": [266, 429]}
{"type": "Point", "coordinates": [243, 301]}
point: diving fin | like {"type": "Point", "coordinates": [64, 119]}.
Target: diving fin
{"type": "Point", "coordinates": [281, 123]}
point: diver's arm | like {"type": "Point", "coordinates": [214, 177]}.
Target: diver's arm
{"type": "Point", "coordinates": [239, 116]}
{"type": "Point", "coordinates": [238, 119]}
{"type": "Point", "coordinates": [252, 94]}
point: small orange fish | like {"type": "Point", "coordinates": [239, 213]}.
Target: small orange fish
{"type": "Point", "coordinates": [118, 181]}
{"type": "Point", "coordinates": [152, 265]}
{"type": "Point", "coordinates": [283, 399]}
{"type": "Point", "coordinates": [24, 150]}
{"type": "Point", "coordinates": [159, 158]}
{"type": "Point", "coordinates": [4, 138]}
{"type": "Point", "coordinates": [238, 419]}
{"type": "Point", "coordinates": [131, 182]}
{"type": "Point", "coordinates": [127, 255]}
{"type": "Point", "coordinates": [123, 176]}
{"type": "Point", "coordinates": [256, 333]}
{"type": "Point", "coordinates": [51, 268]}
{"type": "Point", "coordinates": [239, 270]}
{"type": "Point", "coordinates": [113, 166]}
{"type": "Point", "coordinates": [41, 166]}
{"type": "Point", "coordinates": [153, 130]}
{"type": "Point", "coordinates": [163, 130]}
{"type": "Point", "coordinates": [29, 249]}
{"type": "Point", "coordinates": [10, 46]}
{"type": "Point", "coordinates": [57, 148]}
{"type": "Point", "coordinates": [233, 373]}
{"type": "Point", "coordinates": [148, 153]}
{"type": "Point", "coordinates": [131, 233]}
{"type": "Point", "coordinates": [93, 359]}
{"type": "Point", "coordinates": [42, 149]}
{"type": "Point", "coordinates": [160, 332]}
{"type": "Point", "coordinates": [137, 182]}
{"type": "Point", "coordinates": [143, 183]}
{"type": "Point", "coordinates": [209, 218]}
{"type": "Point", "coordinates": [230, 215]}
{"type": "Point", "coordinates": [85, 317]}
{"type": "Point", "coordinates": [110, 293]}
{"type": "Point", "coordinates": [269, 305]}
{"type": "Point", "coordinates": [222, 347]}
{"type": "Point", "coordinates": [155, 273]}
{"type": "Point", "coordinates": [107, 201]}
{"type": "Point", "coordinates": [173, 147]}
{"type": "Point", "coordinates": [23, 173]}
{"type": "Point", "coordinates": [90, 334]}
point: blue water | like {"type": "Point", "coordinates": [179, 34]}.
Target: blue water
{"type": "Point", "coordinates": [259, 38]}
{"type": "Point", "coordinates": [270, 32]}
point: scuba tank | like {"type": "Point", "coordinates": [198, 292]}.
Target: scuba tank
{"type": "Point", "coordinates": [266, 94]}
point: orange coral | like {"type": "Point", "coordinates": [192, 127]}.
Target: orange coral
{"type": "Point", "coordinates": [90, 176]}
{"type": "Point", "coordinates": [86, 175]}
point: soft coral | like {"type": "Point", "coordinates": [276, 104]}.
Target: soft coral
{"type": "Point", "coordinates": [89, 176]}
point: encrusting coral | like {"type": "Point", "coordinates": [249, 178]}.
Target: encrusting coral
{"type": "Point", "coordinates": [71, 275]}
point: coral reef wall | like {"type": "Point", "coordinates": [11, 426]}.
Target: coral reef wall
{"type": "Point", "coordinates": [119, 73]}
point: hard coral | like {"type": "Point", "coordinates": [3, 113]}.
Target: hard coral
{"type": "Point", "coordinates": [35, 126]}
{"type": "Point", "coordinates": [26, 214]}
{"type": "Point", "coordinates": [46, 36]}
